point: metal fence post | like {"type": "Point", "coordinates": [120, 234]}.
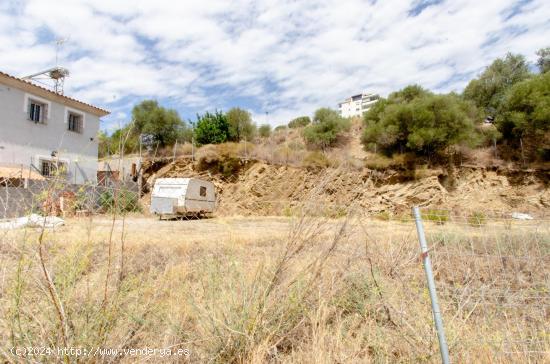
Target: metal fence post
{"type": "Point", "coordinates": [443, 348]}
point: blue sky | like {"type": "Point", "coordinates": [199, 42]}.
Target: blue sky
{"type": "Point", "coordinates": [276, 58]}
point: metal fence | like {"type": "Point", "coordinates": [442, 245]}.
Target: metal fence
{"type": "Point", "coordinates": [491, 270]}
{"type": "Point", "coordinates": [59, 197]}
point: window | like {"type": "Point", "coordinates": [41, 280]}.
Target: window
{"type": "Point", "coordinates": [47, 168]}
{"type": "Point", "coordinates": [37, 111]}
{"type": "Point", "coordinates": [203, 191]}
{"type": "Point", "coordinates": [75, 122]}
{"type": "Point", "coordinates": [51, 168]}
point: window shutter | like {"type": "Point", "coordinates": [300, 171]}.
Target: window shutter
{"type": "Point", "coordinates": [29, 105]}
{"type": "Point", "coordinates": [45, 113]}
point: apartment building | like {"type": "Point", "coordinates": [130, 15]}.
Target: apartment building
{"type": "Point", "coordinates": [356, 105]}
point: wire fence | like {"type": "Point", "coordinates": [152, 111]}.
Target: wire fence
{"type": "Point", "coordinates": [492, 271]}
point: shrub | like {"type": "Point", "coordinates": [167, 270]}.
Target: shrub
{"type": "Point", "coordinates": [524, 120]}
{"type": "Point", "coordinates": [212, 128]}
{"type": "Point", "coordinates": [418, 121]}
{"type": "Point", "coordinates": [316, 159]}
{"type": "Point", "coordinates": [326, 128]}
{"type": "Point", "coordinates": [299, 122]}
{"type": "Point", "coordinates": [438, 216]}
{"type": "Point", "coordinates": [240, 124]}
{"type": "Point", "coordinates": [383, 215]}
{"type": "Point", "coordinates": [381, 162]}
{"type": "Point", "coordinates": [222, 158]}
{"type": "Point", "coordinates": [264, 130]}
{"type": "Point", "coordinates": [477, 219]}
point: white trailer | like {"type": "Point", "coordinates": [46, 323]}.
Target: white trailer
{"type": "Point", "coordinates": [182, 196]}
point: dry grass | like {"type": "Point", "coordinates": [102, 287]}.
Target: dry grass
{"type": "Point", "coordinates": [278, 289]}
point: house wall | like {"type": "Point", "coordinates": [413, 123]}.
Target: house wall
{"type": "Point", "coordinates": [24, 142]}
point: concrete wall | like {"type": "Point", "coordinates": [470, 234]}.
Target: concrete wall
{"type": "Point", "coordinates": [23, 142]}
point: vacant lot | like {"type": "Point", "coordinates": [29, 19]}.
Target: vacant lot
{"type": "Point", "coordinates": [277, 289]}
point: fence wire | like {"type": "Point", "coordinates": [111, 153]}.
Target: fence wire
{"type": "Point", "coordinates": [492, 272]}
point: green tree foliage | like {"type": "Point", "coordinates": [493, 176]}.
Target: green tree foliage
{"type": "Point", "coordinates": [326, 128]}
{"type": "Point", "coordinates": [299, 122]}
{"type": "Point", "coordinates": [240, 124]}
{"type": "Point", "coordinates": [280, 127]}
{"type": "Point", "coordinates": [489, 89]}
{"type": "Point", "coordinates": [264, 130]}
{"type": "Point", "coordinates": [415, 120]}
{"type": "Point", "coordinates": [525, 116]}
{"type": "Point", "coordinates": [121, 141]}
{"type": "Point", "coordinates": [164, 125]}
{"type": "Point", "coordinates": [543, 62]}
{"type": "Point", "coordinates": [212, 128]}
{"type": "Point", "coordinates": [103, 142]}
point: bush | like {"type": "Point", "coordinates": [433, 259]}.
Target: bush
{"type": "Point", "coordinates": [240, 124]}
{"type": "Point", "coordinates": [316, 159]}
{"type": "Point", "coordinates": [524, 120]}
{"type": "Point", "coordinates": [121, 202]}
{"type": "Point", "coordinates": [438, 216]}
{"type": "Point", "coordinates": [212, 128]}
{"type": "Point", "coordinates": [477, 219]}
{"type": "Point", "coordinates": [418, 121]}
{"type": "Point", "coordinates": [383, 216]}
{"type": "Point", "coordinates": [327, 126]}
{"type": "Point", "coordinates": [299, 122]}
{"type": "Point", "coordinates": [264, 130]}
{"type": "Point", "coordinates": [381, 162]}
{"type": "Point", "coordinates": [223, 158]}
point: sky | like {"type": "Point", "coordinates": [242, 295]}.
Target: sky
{"type": "Point", "coordinates": [278, 59]}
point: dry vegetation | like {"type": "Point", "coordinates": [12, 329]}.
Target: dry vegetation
{"type": "Point", "coordinates": [282, 289]}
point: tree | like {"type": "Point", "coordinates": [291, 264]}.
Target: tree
{"type": "Point", "coordinates": [122, 140]}
{"type": "Point", "coordinates": [543, 62]}
{"type": "Point", "coordinates": [164, 125]}
{"type": "Point", "coordinates": [103, 142]}
{"type": "Point", "coordinates": [418, 121]}
{"type": "Point", "coordinates": [525, 117]}
{"type": "Point", "coordinates": [212, 128]}
{"type": "Point", "coordinates": [326, 128]}
{"type": "Point", "coordinates": [240, 124]}
{"type": "Point", "coordinates": [299, 122]}
{"type": "Point", "coordinates": [264, 130]}
{"type": "Point", "coordinates": [489, 89]}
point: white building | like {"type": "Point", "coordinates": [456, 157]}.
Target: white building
{"type": "Point", "coordinates": [48, 133]}
{"type": "Point", "coordinates": [356, 105]}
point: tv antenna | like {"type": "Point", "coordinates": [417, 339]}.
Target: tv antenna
{"type": "Point", "coordinates": [57, 73]}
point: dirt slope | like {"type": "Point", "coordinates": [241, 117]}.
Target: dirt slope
{"type": "Point", "coordinates": [263, 189]}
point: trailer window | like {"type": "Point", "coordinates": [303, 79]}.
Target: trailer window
{"type": "Point", "coordinates": [203, 191]}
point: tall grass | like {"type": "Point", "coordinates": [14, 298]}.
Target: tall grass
{"type": "Point", "coordinates": [305, 288]}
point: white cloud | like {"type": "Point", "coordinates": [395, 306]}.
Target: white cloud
{"type": "Point", "coordinates": [284, 57]}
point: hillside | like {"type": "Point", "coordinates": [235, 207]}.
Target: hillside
{"type": "Point", "coordinates": [273, 187]}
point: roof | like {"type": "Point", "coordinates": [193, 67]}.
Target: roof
{"type": "Point", "coordinates": [19, 172]}
{"type": "Point", "coordinates": [49, 94]}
